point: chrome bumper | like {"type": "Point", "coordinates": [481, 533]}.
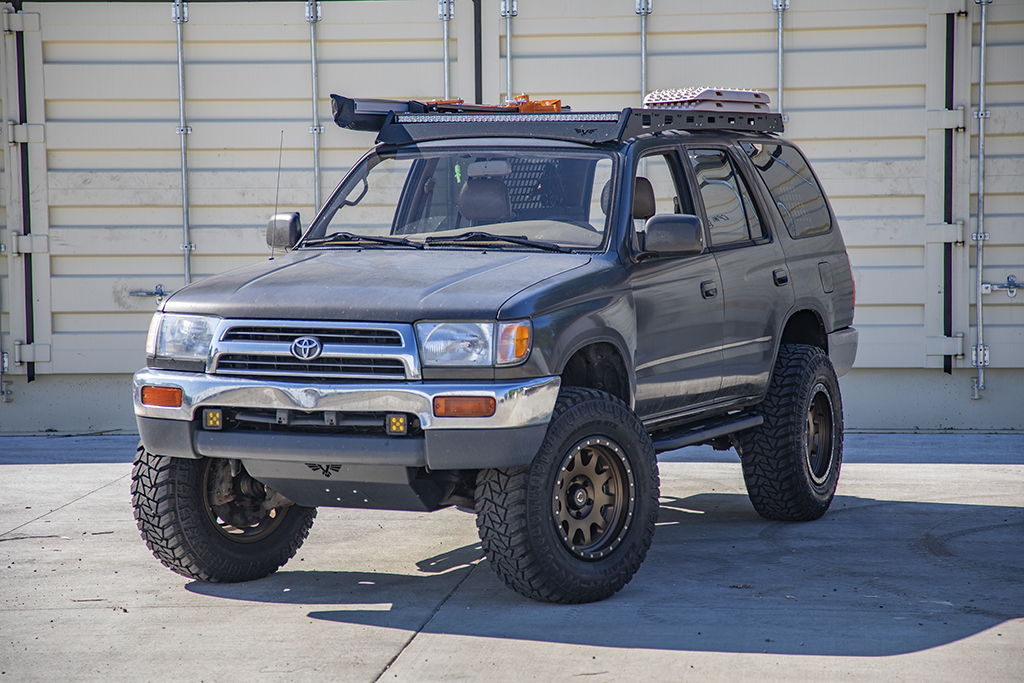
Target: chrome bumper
{"type": "Point", "coordinates": [517, 404]}
{"type": "Point", "coordinates": [509, 438]}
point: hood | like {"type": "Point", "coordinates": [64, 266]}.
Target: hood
{"type": "Point", "coordinates": [373, 285]}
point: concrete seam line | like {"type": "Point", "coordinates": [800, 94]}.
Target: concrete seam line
{"type": "Point", "coordinates": [70, 502]}
{"type": "Point", "coordinates": [424, 624]}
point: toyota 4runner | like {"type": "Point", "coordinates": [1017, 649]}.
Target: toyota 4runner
{"type": "Point", "coordinates": [510, 310]}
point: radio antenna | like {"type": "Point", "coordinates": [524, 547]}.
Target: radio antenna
{"type": "Point", "coordinates": [277, 192]}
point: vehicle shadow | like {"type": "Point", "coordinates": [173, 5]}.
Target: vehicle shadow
{"type": "Point", "coordinates": [871, 578]}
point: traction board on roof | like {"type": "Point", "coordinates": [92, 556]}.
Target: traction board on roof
{"type": "Point", "coordinates": [708, 99]}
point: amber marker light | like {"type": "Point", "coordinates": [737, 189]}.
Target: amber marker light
{"type": "Point", "coordinates": [167, 397]}
{"type": "Point", "coordinates": [513, 342]}
{"type": "Point", "coordinates": [464, 406]}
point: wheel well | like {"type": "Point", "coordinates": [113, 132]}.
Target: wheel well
{"type": "Point", "coordinates": [598, 366]}
{"type": "Point", "coordinates": [805, 327]}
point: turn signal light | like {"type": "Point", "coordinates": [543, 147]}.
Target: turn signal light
{"type": "Point", "coordinates": [167, 397]}
{"type": "Point", "coordinates": [464, 406]}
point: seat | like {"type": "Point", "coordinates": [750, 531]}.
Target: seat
{"type": "Point", "coordinates": [485, 200]}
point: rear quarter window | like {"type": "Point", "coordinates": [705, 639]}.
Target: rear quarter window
{"type": "Point", "coordinates": [793, 188]}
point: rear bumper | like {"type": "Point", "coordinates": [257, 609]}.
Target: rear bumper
{"type": "Point", "coordinates": [842, 349]}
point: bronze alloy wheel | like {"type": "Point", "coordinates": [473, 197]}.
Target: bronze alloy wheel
{"type": "Point", "coordinates": [818, 444]}
{"type": "Point", "coordinates": [242, 518]}
{"type": "Point", "coordinates": [593, 498]}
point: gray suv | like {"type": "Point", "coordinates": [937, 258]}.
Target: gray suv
{"type": "Point", "coordinates": [511, 312]}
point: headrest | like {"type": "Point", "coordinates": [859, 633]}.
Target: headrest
{"type": "Point", "coordinates": [485, 200]}
{"type": "Point", "coordinates": [643, 199]}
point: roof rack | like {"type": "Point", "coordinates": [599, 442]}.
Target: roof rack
{"type": "Point", "coordinates": [398, 121]}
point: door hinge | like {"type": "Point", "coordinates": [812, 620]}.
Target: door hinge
{"type": "Point", "coordinates": [946, 119]}
{"type": "Point", "coordinates": [25, 133]}
{"type": "Point", "coordinates": [945, 346]}
{"type": "Point", "coordinates": [31, 353]}
{"type": "Point", "coordinates": [29, 244]}
{"type": "Point", "coordinates": [21, 21]}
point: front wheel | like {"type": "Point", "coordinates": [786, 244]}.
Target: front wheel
{"type": "Point", "coordinates": [576, 524]}
{"type": "Point", "coordinates": [209, 520]}
{"type": "Point", "coordinates": [791, 462]}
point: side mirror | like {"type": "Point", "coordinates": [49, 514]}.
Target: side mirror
{"type": "Point", "coordinates": [673, 234]}
{"type": "Point", "coordinates": [283, 230]}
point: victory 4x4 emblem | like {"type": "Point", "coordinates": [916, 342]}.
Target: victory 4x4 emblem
{"type": "Point", "coordinates": [307, 348]}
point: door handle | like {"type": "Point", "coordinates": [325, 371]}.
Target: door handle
{"type": "Point", "coordinates": [780, 276]}
{"type": "Point", "coordinates": [709, 289]}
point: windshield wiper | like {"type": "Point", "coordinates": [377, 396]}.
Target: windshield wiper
{"type": "Point", "coordinates": [348, 237]}
{"type": "Point", "coordinates": [480, 236]}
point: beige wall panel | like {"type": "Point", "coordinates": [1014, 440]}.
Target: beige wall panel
{"type": "Point", "coordinates": [103, 322]}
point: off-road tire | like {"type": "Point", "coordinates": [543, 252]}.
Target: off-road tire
{"type": "Point", "coordinates": [541, 525]}
{"type": "Point", "coordinates": [791, 462]}
{"type": "Point", "coordinates": [177, 522]}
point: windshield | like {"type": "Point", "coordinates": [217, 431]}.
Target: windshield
{"type": "Point", "coordinates": [471, 198]}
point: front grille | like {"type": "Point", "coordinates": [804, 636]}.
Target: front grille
{"type": "Point", "coordinates": [289, 365]}
{"type": "Point", "coordinates": [327, 335]}
{"type": "Point", "coordinates": [348, 350]}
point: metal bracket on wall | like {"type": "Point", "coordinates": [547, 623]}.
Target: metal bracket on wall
{"type": "Point", "coordinates": [20, 21]}
{"type": "Point", "coordinates": [179, 12]}
{"type": "Point", "coordinates": [159, 292]}
{"type": "Point", "coordinates": [780, 5]}
{"type": "Point", "coordinates": [644, 6]}
{"type": "Point", "coordinates": [313, 13]}
{"type": "Point", "coordinates": [509, 8]}
{"type": "Point", "coordinates": [977, 354]}
{"type": "Point", "coordinates": [1010, 286]}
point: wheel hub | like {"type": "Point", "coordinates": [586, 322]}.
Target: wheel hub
{"type": "Point", "coordinates": [818, 440]}
{"type": "Point", "coordinates": [593, 498]}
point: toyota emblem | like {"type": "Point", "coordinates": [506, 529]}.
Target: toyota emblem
{"type": "Point", "coordinates": [307, 348]}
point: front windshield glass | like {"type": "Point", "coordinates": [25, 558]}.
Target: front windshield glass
{"type": "Point", "coordinates": [468, 197]}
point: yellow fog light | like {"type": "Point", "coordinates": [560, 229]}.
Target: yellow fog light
{"type": "Point", "coordinates": [396, 425]}
{"type": "Point", "coordinates": [213, 418]}
{"type": "Point", "coordinates": [464, 406]}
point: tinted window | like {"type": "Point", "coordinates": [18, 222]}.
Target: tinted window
{"type": "Point", "coordinates": [793, 188]}
{"type": "Point", "coordinates": [731, 213]}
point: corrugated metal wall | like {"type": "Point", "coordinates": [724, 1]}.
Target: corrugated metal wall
{"type": "Point", "coordinates": [865, 94]}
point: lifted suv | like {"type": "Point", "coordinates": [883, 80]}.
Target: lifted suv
{"type": "Point", "coordinates": [512, 313]}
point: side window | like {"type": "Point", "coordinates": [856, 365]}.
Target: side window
{"type": "Point", "coordinates": [655, 172]}
{"type": "Point", "coordinates": [732, 216]}
{"type": "Point", "coordinates": [792, 187]}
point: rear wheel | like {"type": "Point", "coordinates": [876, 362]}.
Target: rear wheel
{"type": "Point", "coordinates": [207, 521]}
{"type": "Point", "coordinates": [576, 524]}
{"type": "Point", "coordinates": [791, 462]}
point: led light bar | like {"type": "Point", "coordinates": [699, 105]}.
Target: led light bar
{"type": "Point", "coordinates": [611, 117]}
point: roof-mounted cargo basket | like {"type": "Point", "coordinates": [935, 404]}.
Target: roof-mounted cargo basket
{"type": "Point", "coordinates": [693, 109]}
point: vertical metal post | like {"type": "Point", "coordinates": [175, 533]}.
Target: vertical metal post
{"type": "Point", "coordinates": [780, 6]}
{"type": "Point", "coordinates": [980, 354]}
{"type": "Point", "coordinates": [509, 9]}
{"type": "Point", "coordinates": [643, 8]}
{"type": "Point", "coordinates": [446, 12]}
{"type": "Point", "coordinates": [179, 12]}
{"type": "Point", "coordinates": [313, 16]}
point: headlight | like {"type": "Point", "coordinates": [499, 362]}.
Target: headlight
{"type": "Point", "coordinates": [182, 337]}
{"type": "Point", "coordinates": [474, 344]}
{"type": "Point", "coordinates": [455, 344]}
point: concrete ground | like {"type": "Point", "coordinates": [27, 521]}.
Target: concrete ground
{"type": "Point", "coordinates": [915, 574]}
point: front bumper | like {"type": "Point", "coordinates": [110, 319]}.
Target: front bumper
{"type": "Point", "coordinates": [509, 438]}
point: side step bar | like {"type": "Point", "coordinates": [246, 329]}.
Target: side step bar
{"type": "Point", "coordinates": [693, 435]}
